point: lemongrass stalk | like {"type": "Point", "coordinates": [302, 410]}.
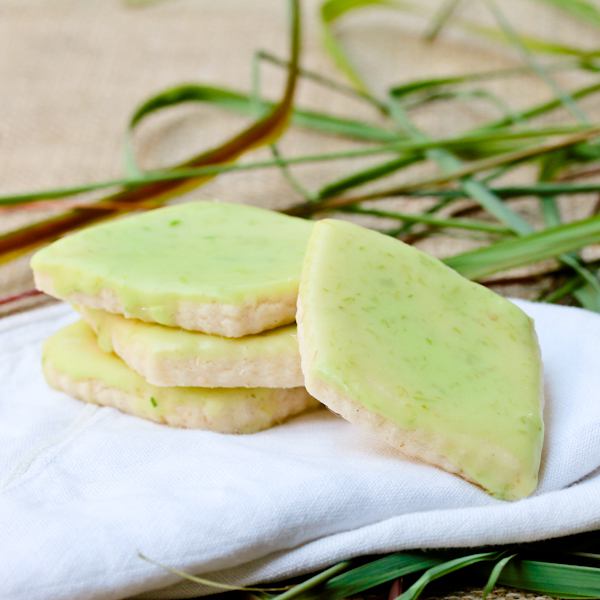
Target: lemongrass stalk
{"type": "Point", "coordinates": [469, 225]}
{"type": "Point", "coordinates": [566, 99]}
{"type": "Point", "coordinates": [467, 170]}
{"type": "Point", "coordinates": [527, 249]}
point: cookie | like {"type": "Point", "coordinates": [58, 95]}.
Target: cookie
{"type": "Point", "coordinates": [168, 357]}
{"type": "Point", "coordinates": [224, 269]}
{"type": "Point", "coordinates": [73, 363]}
{"type": "Point", "coordinates": [439, 367]}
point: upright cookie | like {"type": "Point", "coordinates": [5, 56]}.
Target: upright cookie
{"type": "Point", "coordinates": [438, 366]}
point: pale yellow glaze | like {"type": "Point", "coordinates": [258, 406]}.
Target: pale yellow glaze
{"type": "Point", "coordinates": [395, 332]}
{"type": "Point", "coordinates": [194, 254]}
{"type": "Point", "coordinates": [72, 354]}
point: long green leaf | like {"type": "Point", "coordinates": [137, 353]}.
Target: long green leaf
{"type": "Point", "coordinates": [336, 187]}
{"type": "Point", "coordinates": [495, 573]}
{"type": "Point", "coordinates": [473, 188]}
{"type": "Point", "coordinates": [242, 103]}
{"type": "Point", "coordinates": [433, 573]}
{"type": "Point", "coordinates": [581, 9]}
{"type": "Point", "coordinates": [426, 219]}
{"type": "Point", "coordinates": [400, 91]}
{"type": "Point", "coordinates": [533, 43]}
{"type": "Point", "coordinates": [513, 38]}
{"type": "Point", "coordinates": [331, 11]}
{"type": "Point", "coordinates": [543, 108]}
{"type": "Point", "coordinates": [555, 579]}
{"type": "Point", "coordinates": [589, 296]}
{"type": "Point", "coordinates": [411, 152]}
{"type": "Point", "coordinates": [305, 586]}
{"type": "Point", "coordinates": [467, 170]}
{"type": "Point", "coordinates": [374, 573]}
{"type": "Point", "coordinates": [549, 243]}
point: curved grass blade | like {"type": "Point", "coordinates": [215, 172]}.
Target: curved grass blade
{"type": "Point", "coordinates": [372, 574]}
{"type": "Point", "coordinates": [244, 104]}
{"type": "Point", "coordinates": [303, 587]}
{"type": "Point", "coordinates": [433, 573]}
{"type": "Point", "coordinates": [496, 572]}
{"type": "Point", "coordinates": [330, 12]}
{"type": "Point", "coordinates": [223, 587]}
{"type": "Point", "coordinates": [284, 168]}
{"type": "Point", "coordinates": [401, 91]}
{"type": "Point", "coordinates": [549, 243]}
{"type": "Point", "coordinates": [263, 131]}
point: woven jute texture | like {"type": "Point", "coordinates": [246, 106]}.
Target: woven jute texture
{"type": "Point", "coordinates": [73, 71]}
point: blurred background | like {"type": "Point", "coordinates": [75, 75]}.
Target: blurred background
{"type": "Point", "coordinates": [73, 72]}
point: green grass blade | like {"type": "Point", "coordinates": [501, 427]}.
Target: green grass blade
{"type": "Point", "coordinates": [330, 12]}
{"type": "Point", "coordinates": [402, 91]}
{"type": "Point", "coordinates": [474, 189]}
{"type": "Point", "coordinates": [221, 587]}
{"type": "Point", "coordinates": [477, 166]}
{"type": "Point", "coordinates": [322, 80]}
{"type": "Point", "coordinates": [555, 579]}
{"type": "Point", "coordinates": [496, 572]}
{"type": "Point", "coordinates": [469, 225]}
{"type": "Point", "coordinates": [242, 103]}
{"type": "Point", "coordinates": [549, 243]}
{"type": "Point", "coordinates": [543, 108]}
{"type": "Point", "coordinates": [374, 573]}
{"type": "Point", "coordinates": [513, 38]}
{"type": "Point", "coordinates": [541, 188]}
{"type": "Point", "coordinates": [581, 9]}
{"type": "Point", "coordinates": [433, 573]}
{"type": "Point", "coordinates": [336, 187]}
{"type": "Point", "coordinates": [303, 587]}
{"type": "Point", "coordinates": [440, 18]}
{"type": "Point", "coordinates": [495, 206]}
{"type": "Point", "coordinates": [559, 293]}
{"type": "Point", "coordinates": [533, 43]}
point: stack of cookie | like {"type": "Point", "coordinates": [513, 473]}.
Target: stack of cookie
{"type": "Point", "coordinates": [189, 319]}
{"type": "Point", "coordinates": [187, 316]}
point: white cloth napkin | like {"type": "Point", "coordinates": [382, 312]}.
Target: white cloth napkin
{"type": "Point", "coordinates": [84, 489]}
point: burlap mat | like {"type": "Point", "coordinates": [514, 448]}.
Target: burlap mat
{"type": "Point", "coordinates": [72, 72]}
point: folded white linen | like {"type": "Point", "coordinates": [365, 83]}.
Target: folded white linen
{"type": "Point", "coordinates": [84, 489]}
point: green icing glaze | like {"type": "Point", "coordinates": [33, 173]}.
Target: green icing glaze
{"type": "Point", "coordinates": [200, 252]}
{"type": "Point", "coordinates": [73, 351]}
{"type": "Point", "coordinates": [169, 342]}
{"type": "Point", "coordinates": [399, 333]}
